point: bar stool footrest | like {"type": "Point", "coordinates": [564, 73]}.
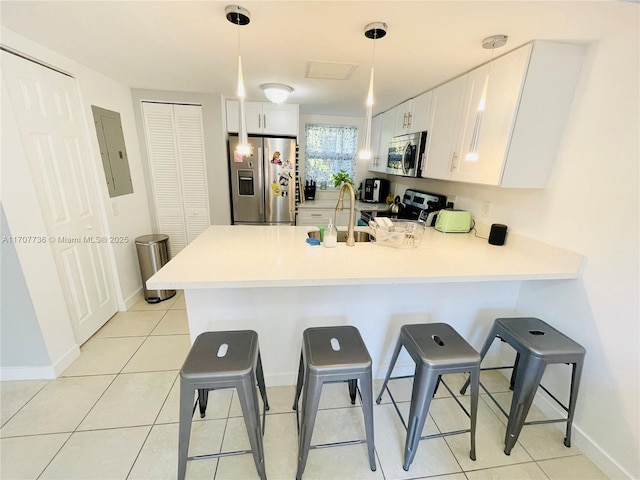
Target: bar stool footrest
{"type": "Point", "coordinates": [337, 444]}
{"type": "Point", "coordinates": [219, 455]}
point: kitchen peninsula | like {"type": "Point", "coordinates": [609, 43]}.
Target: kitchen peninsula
{"type": "Point", "coordinates": [270, 280]}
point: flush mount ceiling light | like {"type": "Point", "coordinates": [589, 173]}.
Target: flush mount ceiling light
{"type": "Point", "coordinates": [492, 42]}
{"type": "Point", "coordinates": [276, 92]}
{"type": "Point", "coordinates": [240, 16]}
{"type": "Point", "coordinates": [373, 31]}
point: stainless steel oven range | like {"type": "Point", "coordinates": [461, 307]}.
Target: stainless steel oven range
{"type": "Point", "coordinates": [418, 206]}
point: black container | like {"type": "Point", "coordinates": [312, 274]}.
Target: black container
{"type": "Point", "coordinates": [310, 192]}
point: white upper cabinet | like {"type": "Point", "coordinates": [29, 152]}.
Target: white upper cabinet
{"type": "Point", "coordinates": [264, 118]}
{"type": "Point", "coordinates": [376, 131]}
{"type": "Point", "coordinates": [385, 124]}
{"type": "Point", "coordinates": [413, 115]}
{"type": "Point", "coordinates": [442, 130]}
{"type": "Point", "coordinates": [528, 99]}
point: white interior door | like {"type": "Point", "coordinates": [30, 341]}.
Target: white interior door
{"type": "Point", "coordinates": [48, 113]}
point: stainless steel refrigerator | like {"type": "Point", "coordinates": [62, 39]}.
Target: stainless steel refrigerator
{"type": "Point", "coordinates": [263, 184]}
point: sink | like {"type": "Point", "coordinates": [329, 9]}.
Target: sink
{"type": "Point", "coordinates": [358, 235]}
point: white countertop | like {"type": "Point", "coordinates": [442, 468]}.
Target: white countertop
{"type": "Point", "coordinates": [235, 256]}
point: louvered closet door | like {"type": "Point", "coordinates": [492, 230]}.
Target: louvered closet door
{"type": "Point", "coordinates": [193, 173]}
{"type": "Point", "coordinates": [176, 155]}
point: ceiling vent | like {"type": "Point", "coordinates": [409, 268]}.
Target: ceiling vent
{"type": "Point", "coordinates": [329, 70]}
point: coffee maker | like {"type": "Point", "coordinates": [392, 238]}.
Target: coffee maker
{"type": "Point", "coordinates": [375, 190]}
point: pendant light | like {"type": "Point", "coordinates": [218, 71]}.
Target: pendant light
{"type": "Point", "coordinates": [373, 31]}
{"type": "Point", "coordinates": [240, 16]}
{"type": "Point", "coordinates": [493, 42]}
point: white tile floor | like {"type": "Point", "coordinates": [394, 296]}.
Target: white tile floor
{"type": "Point", "coordinates": [113, 414]}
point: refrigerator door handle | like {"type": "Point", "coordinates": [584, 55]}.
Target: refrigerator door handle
{"type": "Point", "coordinates": [261, 179]}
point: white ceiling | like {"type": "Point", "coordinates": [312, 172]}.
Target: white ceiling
{"type": "Point", "coordinates": [190, 46]}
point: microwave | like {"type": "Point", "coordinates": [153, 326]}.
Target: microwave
{"type": "Point", "coordinates": [406, 153]}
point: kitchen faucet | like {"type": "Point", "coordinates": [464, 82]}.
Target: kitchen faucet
{"type": "Point", "coordinates": [340, 206]}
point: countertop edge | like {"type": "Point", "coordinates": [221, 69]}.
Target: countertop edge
{"type": "Point", "coordinates": [539, 261]}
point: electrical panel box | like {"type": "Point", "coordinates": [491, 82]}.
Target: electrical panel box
{"type": "Point", "coordinates": [113, 151]}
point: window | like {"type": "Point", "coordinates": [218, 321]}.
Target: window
{"type": "Point", "coordinates": [328, 149]}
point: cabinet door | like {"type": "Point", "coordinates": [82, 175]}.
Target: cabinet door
{"type": "Point", "coordinates": [280, 119]}
{"type": "Point", "coordinates": [376, 131]}
{"type": "Point", "coordinates": [386, 134]}
{"type": "Point", "coordinates": [253, 114]}
{"type": "Point", "coordinates": [504, 80]}
{"type": "Point", "coordinates": [402, 115]}
{"type": "Point", "coordinates": [441, 155]}
{"type": "Point", "coordinates": [420, 113]}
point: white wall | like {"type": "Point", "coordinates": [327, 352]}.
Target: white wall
{"type": "Point", "coordinates": [21, 343]}
{"type": "Point", "coordinates": [591, 206]}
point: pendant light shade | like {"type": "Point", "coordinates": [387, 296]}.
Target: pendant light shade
{"type": "Point", "coordinates": [492, 43]}
{"type": "Point", "coordinates": [373, 31]}
{"type": "Point", "coordinates": [240, 16]}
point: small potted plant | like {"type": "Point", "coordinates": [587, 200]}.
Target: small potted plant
{"type": "Point", "coordinates": [342, 176]}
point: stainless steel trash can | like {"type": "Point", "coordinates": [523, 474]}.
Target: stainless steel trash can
{"type": "Point", "coordinates": [153, 253]}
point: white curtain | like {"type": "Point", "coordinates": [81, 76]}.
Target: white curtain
{"type": "Point", "coordinates": [328, 149]}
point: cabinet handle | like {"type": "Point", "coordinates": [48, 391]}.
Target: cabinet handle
{"type": "Point", "coordinates": [409, 117]}
{"type": "Point", "coordinates": [265, 120]}
{"type": "Point", "coordinates": [404, 121]}
{"type": "Point", "coordinates": [453, 161]}
{"type": "Point", "coordinates": [259, 121]}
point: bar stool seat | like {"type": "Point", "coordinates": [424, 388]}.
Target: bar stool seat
{"type": "Point", "coordinates": [219, 360]}
{"type": "Point", "coordinates": [332, 354]}
{"type": "Point", "coordinates": [537, 344]}
{"type": "Point", "coordinates": [437, 349]}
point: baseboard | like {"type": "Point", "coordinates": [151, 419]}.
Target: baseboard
{"type": "Point", "coordinates": [67, 359]}
{"type": "Point", "coordinates": [581, 440]}
{"type": "Point", "coordinates": [131, 300]}
{"type": "Point", "coordinates": [27, 373]}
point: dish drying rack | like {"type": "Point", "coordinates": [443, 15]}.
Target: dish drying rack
{"type": "Point", "coordinates": [396, 234]}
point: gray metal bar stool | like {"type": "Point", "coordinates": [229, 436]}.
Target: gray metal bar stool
{"type": "Point", "coordinates": [332, 354]}
{"type": "Point", "coordinates": [437, 349]}
{"type": "Point", "coordinates": [219, 360]}
{"type": "Point", "coordinates": [537, 345]}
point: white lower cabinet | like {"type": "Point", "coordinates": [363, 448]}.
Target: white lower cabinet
{"type": "Point", "coordinates": [528, 100]}
{"type": "Point", "coordinates": [320, 216]}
